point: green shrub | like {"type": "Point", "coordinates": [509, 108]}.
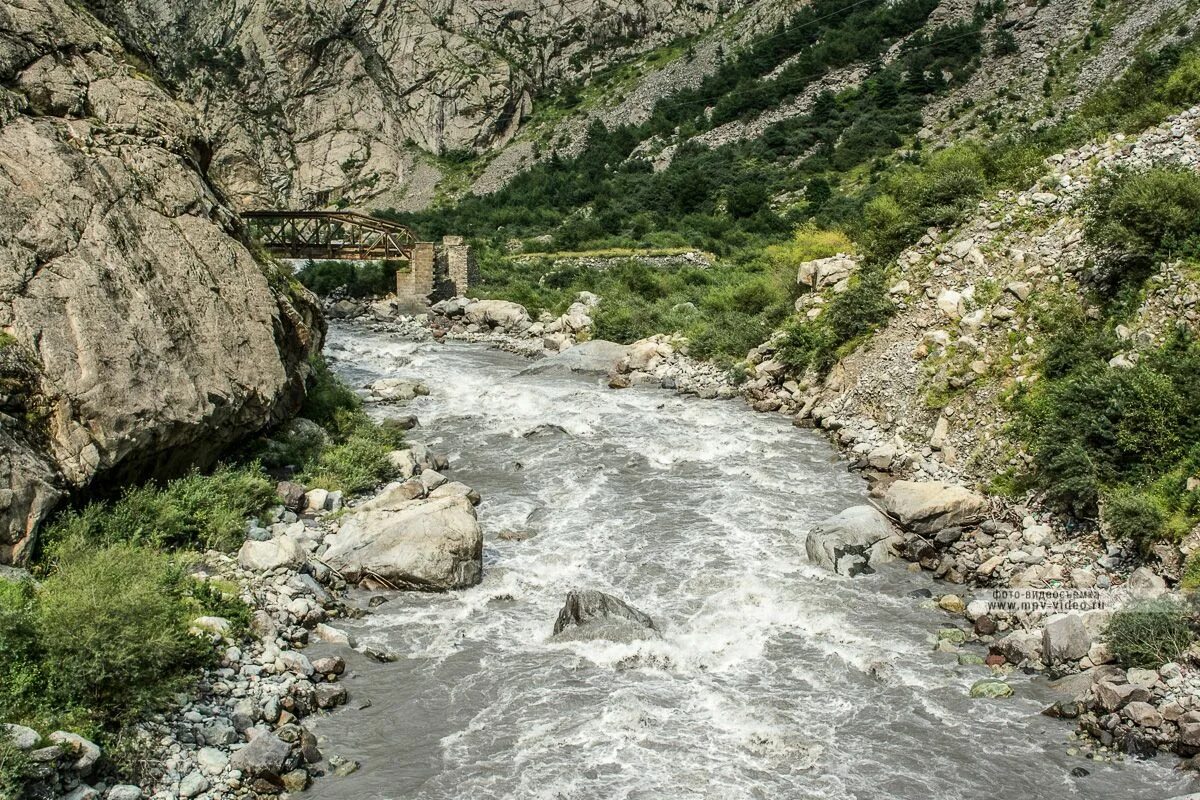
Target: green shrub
{"type": "Point", "coordinates": [1182, 87]}
{"type": "Point", "coordinates": [1150, 634]}
{"type": "Point", "coordinates": [23, 682]}
{"type": "Point", "coordinates": [327, 396]}
{"type": "Point", "coordinates": [1190, 580]}
{"type": "Point", "coordinates": [16, 769]}
{"type": "Point", "coordinates": [1136, 516]}
{"type": "Point", "coordinates": [802, 342]}
{"type": "Point", "coordinates": [206, 511]}
{"type": "Point", "coordinates": [808, 242]}
{"type": "Point", "coordinates": [358, 461]}
{"type": "Point", "coordinates": [859, 309]}
{"type": "Point", "coordinates": [215, 598]}
{"type": "Point", "coordinates": [113, 623]}
{"type": "Point", "coordinates": [103, 639]}
{"type": "Point", "coordinates": [1141, 217]}
{"type": "Point", "coordinates": [295, 443]}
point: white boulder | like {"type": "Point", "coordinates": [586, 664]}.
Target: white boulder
{"type": "Point", "coordinates": [427, 545]}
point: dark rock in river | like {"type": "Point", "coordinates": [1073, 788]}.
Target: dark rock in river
{"type": "Point", "coordinates": [591, 615]}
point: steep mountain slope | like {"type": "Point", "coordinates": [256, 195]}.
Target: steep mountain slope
{"type": "Point", "coordinates": [383, 105]}
{"type": "Point", "coordinates": [347, 102]}
{"type": "Point", "coordinates": [976, 307]}
{"type": "Point", "coordinates": [140, 335]}
{"type": "Point", "coordinates": [1038, 62]}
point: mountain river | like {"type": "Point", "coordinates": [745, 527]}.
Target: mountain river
{"type": "Point", "coordinates": [695, 512]}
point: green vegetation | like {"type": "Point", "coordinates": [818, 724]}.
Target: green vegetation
{"type": "Point", "coordinates": [1150, 634]}
{"type": "Point", "coordinates": [16, 769]}
{"type": "Point", "coordinates": [357, 279]}
{"type": "Point", "coordinates": [349, 454]}
{"type": "Point", "coordinates": [1140, 218]}
{"type": "Point", "coordinates": [1122, 441]}
{"type": "Point", "coordinates": [197, 511]}
{"type": "Point", "coordinates": [1156, 85]}
{"type": "Point", "coordinates": [1125, 438]}
{"type": "Point", "coordinates": [104, 638]}
{"type": "Point", "coordinates": [718, 200]}
{"type": "Point", "coordinates": [724, 310]}
{"type": "Point", "coordinates": [101, 640]}
{"type": "Point", "coordinates": [356, 459]}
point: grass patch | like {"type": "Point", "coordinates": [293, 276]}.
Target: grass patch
{"type": "Point", "coordinates": [102, 639]}
{"type": "Point", "coordinates": [356, 460]}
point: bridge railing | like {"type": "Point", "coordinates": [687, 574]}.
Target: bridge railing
{"type": "Point", "coordinates": [329, 234]}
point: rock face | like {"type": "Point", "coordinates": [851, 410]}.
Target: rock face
{"type": "Point", "coordinates": [590, 614]}
{"type": "Point", "coordinates": [929, 506]}
{"type": "Point", "coordinates": [427, 545]}
{"type": "Point", "coordinates": [852, 542]}
{"type": "Point", "coordinates": [154, 337]}
{"type": "Point", "coordinates": [337, 100]}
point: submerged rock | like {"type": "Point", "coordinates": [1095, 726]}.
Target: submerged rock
{"type": "Point", "coordinates": [598, 357]}
{"type": "Point", "coordinates": [590, 614]}
{"type": "Point", "coordinates": [851, 543]}
{"type": "Point", "coordinates": [991, 688]}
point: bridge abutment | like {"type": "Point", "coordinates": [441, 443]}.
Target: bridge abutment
{"type": "Point", "coordinates": [438, 271]}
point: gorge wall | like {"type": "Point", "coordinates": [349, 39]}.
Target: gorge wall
{"type": "Point", "coordinates": [334, 101]}
{"type": "Point", "coordinates": [140, 335]}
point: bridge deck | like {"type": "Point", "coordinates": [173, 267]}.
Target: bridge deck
{"type": "Point", "coordinates": [329, 234]}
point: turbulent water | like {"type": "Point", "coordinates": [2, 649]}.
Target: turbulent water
{"type": "Point", "coordinates": [695, 512]}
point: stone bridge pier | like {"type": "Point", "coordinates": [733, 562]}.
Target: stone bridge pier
{"type": "Point", "coordinates": [438, 271]}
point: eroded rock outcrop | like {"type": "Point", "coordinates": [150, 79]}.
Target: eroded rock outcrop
{"type": "Point", "coordinates": [155, 337]}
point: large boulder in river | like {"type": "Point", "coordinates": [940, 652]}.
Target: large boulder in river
{"type": "Point", "coordinates": [853, 542]}
{"type": "Point", "coordinates": [428, 545]}
{"type": "Point", "coordinates": [929, 506]}
{"type": "Point", "coordinates": [501, 314]}
{"type": "Point", "coordinates": [154, 337]}
{"type": "Point", "coordinates": [590, 614]}
{"type": "Point", "coordinates": [597, 356]}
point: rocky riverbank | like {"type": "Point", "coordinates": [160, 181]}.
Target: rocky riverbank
{"type": "Point", "coordinates": [240, 731]}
